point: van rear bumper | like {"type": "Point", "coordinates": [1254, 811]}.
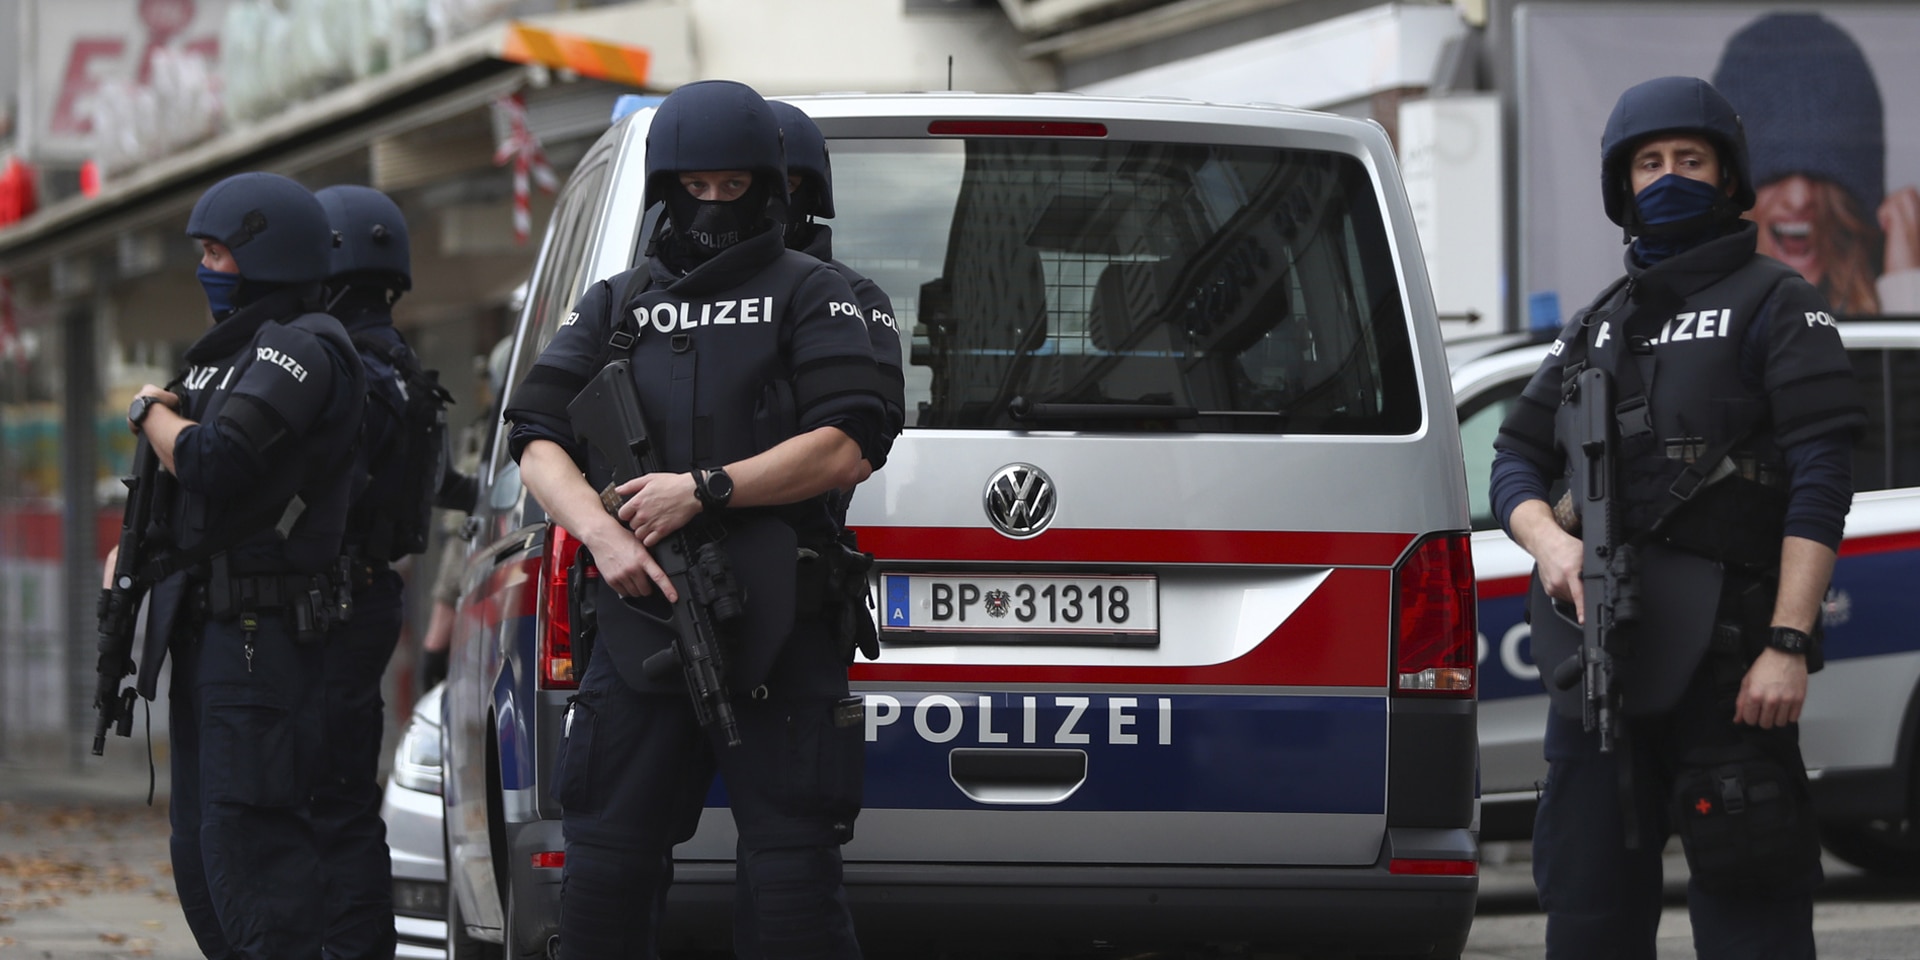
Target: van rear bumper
{"type": "Point", "coordinates": [905, 907]}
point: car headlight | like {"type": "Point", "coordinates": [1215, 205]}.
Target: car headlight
{"type": "Point", "coordinates": [416, 763]}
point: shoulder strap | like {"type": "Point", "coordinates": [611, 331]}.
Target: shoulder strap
{"type": "Point", "coordinates": [1576, 352]}
{"type": "Point", "coordinates": [623, 329]}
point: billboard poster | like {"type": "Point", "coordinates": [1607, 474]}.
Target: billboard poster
{"type": "Point", "coordinates": [1830, 98]}
{"type": "Point", "coordinates": [80, 46]}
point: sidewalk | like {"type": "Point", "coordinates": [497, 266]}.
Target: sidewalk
{"type": "Point", "coordinates": [84, 868]}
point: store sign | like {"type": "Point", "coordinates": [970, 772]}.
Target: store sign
{"type": "Point", "coordinates": [81, 45]}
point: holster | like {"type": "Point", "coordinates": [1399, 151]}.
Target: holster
{"type": "Point", "coordinates": [831, 583]}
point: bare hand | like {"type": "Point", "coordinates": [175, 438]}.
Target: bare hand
{"type": "Point", "coordinates": [1773, 691]}
{"type": "Point", "coordinates": [106, 572]}
{"type": "Point", "coordinates": [1560, 557]}
{"type": "Point", "coordinates": [657, 504]}
{"type": "Point", "coordinates": [1900, 220]}
{"type": "Point", "coordinates": [629, 569]}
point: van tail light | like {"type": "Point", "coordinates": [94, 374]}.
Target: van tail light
{"type": "Point", "coordinates": [1015, 128]}
{"type": "Point", "coordinates": [1432, 868]}
{"type": "Point", "coordinates": [556, 634]}
{"type": "Point", "coordinates": [1435, 642]}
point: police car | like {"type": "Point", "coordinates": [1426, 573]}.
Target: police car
{"type": "Point", "coordinates": [1174, 588]}
{"type": "Point", "coordinates": [1858, 729]}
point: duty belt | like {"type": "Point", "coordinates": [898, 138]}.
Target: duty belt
{"type": "Point", "coordinates": [317, 601]}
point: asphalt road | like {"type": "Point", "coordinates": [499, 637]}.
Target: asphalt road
{"type": "Point", "coordinates": [84, 876]}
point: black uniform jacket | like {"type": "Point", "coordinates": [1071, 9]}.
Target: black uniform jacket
{"type": "Point", "coordinates": [277, 393]}
{"type": "Point", "coordinates": [750, 348]}
{"type": "Point", "coordinates": [1688, 327]}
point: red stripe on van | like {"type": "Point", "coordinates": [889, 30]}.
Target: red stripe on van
{"type": "Point", "coordinates": [1502, 587]}
{"type": "Point", "coordinates": [1338, 638]}
{"type": "Point", "coordinates": [1883, 543]}
{"type": "Point", "coordinates": [1137, 546]}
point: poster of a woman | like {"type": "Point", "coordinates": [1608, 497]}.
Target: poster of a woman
{"type": "Point", "coordinates": [1816, 134]}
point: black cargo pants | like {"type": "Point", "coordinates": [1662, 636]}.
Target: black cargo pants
{"type": "Point", "coordinates": [244, 734]}
{"type": "Point", "coordinates": [633, 774]}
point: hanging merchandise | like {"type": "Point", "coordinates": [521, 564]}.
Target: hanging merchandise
{"type": "Point", "coordinates": [19, 195]}
{"type": "Point", "coordinates": [137, 122]}
{"type": "Point", "coordinates": [529, 158]}
{"type": "Point", "coordinates": [453, 18]}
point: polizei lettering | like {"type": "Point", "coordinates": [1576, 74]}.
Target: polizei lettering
{"type": "Point", "coordinates": [1696, 325]}
{"type": "Point", "coordinates": [281, 360]}
{"type": "Point", "coordinates": [670, 316]}
{"type": "Point", "coordinates": [1033, 719]}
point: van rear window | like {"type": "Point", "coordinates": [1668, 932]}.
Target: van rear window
{"type": "Point", "coordinates": [1131, 287]}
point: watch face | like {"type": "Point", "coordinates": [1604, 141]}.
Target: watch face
{"type": "Point", "coordinates": [137, 411]}
{"type": "Point", "coordinates": [720, 484]}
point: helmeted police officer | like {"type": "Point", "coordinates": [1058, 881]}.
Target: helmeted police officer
{"type": "Point", "coordinates": [258, 438]}
{"type": "Point", "coordinates": [810, 182]}
{"type": "Point", "coordinates": [1734, 405]}
{"type": "Point", "coordinates": [758, 382]}
{"type": "Point", "coordinates": [371, 268]}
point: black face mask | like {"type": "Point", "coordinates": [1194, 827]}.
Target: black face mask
{"type": "Point", "coordinates": [706, 227]}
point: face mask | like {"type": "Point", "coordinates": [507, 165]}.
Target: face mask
{"type": "Point", "coordinates": [1674, 198]}
{"type": "Point", "coordinates": [220, 288]}
{"type": "Point", "coordinates": [710, 226]}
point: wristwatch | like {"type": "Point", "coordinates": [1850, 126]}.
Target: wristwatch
{"type": "Point", "coordinates": [1789, 640]}
{"type": "Point", "coordinates": [713, 488]}
{"type": "Point", "coordinates": [137, 412]}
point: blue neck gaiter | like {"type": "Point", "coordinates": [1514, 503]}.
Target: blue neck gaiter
{"type": "Point", "coordinates": [220, 288]}
{"type": "Point", "coordinates": [1673, 199]}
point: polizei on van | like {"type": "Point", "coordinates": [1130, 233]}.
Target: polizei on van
{"type": "Point", "coordinates": [1174, 590]}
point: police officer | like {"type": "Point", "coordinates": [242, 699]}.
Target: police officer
{"type": "Point", "coordinates": [810, 185]}
{"type": "Point", "coordinates": [370, 270]}
{"type": "Point", "coordinates": [257, 435]}
{"type": "Point", "coordinates": [1734, 404]}
{"type": "Point", "coordinates": [758, 412]}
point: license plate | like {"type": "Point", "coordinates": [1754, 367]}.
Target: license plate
{"type": "Point", "coordinates": [1088, 609]}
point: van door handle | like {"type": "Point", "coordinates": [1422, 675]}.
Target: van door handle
{"type": "Point", "coordinates": [1014, 775]}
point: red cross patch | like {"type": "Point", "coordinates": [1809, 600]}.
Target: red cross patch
{"type": "Point", "coordinates": [1703, 805]}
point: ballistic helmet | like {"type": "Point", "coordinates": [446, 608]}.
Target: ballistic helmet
{"type": "Point", "coordinates": [714, 125]}
{"type": "Point", "coordinates": [274, 227]}
{"type": "Point", "coordinates": [372, 234]}
{"type": "Point", "coordinates": [806, 155]}
{"type": "Point", "coordinates": [1671, 106]}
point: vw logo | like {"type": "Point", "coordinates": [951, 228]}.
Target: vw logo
{"type": "Point", "coordinates": [1020, 500]}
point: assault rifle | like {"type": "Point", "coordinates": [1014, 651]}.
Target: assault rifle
{"type": "Point", "coordinates": [607, 416]}
{"type": "Point", "coordinates": [1610, 567]}
{"type": "Point", "coordinates": [119, 604]}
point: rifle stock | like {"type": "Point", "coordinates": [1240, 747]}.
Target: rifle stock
{"type": "Point", "coordinates": [119, 604]}
{"type": "Point", "coordinates": [607, 416]}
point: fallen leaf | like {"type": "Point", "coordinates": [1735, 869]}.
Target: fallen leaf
{"type": "Point", "coordinates": [114, 938]}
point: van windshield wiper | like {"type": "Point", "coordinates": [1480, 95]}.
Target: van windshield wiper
{"type": "Point", "coordinates": [1020, 408]}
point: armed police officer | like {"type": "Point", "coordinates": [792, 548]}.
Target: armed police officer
{"type": "Point", "coordinates": [1731, 413]}
{"type": "Point", "coordinates": [759, 390]}
{"type": "Point", "coordinates": [257, 435]}
{"type": "Point", "coordinates": [397, 466]}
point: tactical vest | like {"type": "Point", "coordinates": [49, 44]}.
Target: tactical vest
{"type": "Point", "coordinates": [1697, 460]}
{"type": "Point", "coordinates": [313, 468]}
{"type": "Point", "coordinates": [710, 368]}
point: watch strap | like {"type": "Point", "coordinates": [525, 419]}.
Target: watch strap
{"type": "Point", "coordinates": [1790, 640]}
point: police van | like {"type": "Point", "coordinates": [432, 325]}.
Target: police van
{"type": "Point", "coordinates": [1173, 589]}
{"type": "Point", "coordinates": [1858, 729]}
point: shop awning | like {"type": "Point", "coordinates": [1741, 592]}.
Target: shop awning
{"type": "Point", "coordinates": [644, 45]}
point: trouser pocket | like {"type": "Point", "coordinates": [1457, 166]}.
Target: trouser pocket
{"type": "Point", "coordinates": [1743, 815]}
{"type": "Point", "coordinates": [254, 751]}
{"type": "Point", "coordinates": [573, 766]}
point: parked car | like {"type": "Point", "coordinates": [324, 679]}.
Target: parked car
{"type": "Point", "coordinates": [1174, 582]}
{"type": "Point", "coordinates": [1858, 730]}
{"type": "Point", "coordinates": [416, 835]}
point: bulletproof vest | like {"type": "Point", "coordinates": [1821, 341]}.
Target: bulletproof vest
{"type": "Point", "coordinates": [1682, 396]}
{"type": "Point", "coordinates": [714, 388]}
{"type": "Point", "coordinates": [402, 462]}
{"type": "Point", "coordinates": [314, 468]}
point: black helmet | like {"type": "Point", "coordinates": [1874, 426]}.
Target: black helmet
{"type": "Point", "coordinates": [806, 155]}
{"type": "Point", "coordinates": [372, 234]}
{"type": "Point", "coordinates": [1670, 105]}
{"type": "Point", "coordinates": [714, 125]}
{"type": "Point", "coordinates": [275, 228]}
